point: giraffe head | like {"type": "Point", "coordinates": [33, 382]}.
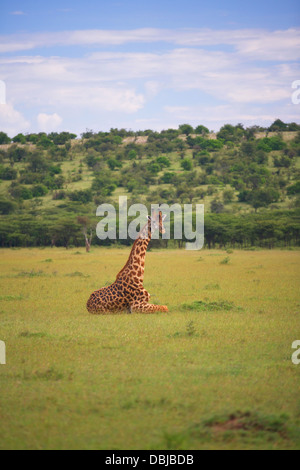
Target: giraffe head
{"type": "Point", "coordinates": [157, 222]}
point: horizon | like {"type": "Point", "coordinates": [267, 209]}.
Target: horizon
{"type": "Point", "coordinates": [144, 132]}
{"type": "Point", "coordinates": [129, 65]}
{"type": "Point", "coordinates": [139, 133]}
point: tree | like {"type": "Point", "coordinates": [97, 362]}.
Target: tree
{"type": "Point", "coordinates": [263, 197]}
{"type": "Point", "coordinates": [187, 164]}
{"type": "Point", "coordinates": [86, 225]}
{"type": "Point", "coordinates": [186, 129]}
{"type": "Point", "coordinates": [228, 196]}
{"type": "Point", "coordinates": [91, 160]}
{"type": "Point", "coordinates": [294, 189]}
{"type": "Point", "coordinates": [16, 154]}
{"type": "Point", "coordinates": [267, 144]}
{"type": "Point", "coordinates": [64, 232]}
{"type": "Point", "coordinates": [229, 133]}
{"type": "Point", "coordinates": [154, 168]}
{"type": "Point", "coordinates": [84, 196]}
{"type": "Point", "coordinates": [168, 178]}
{"type": "Point", "coordinates": [104, 185]}
{"type": "Point", "coordinates": [278, 125]}
{"type": "Point", "coordinates": [113, 164]}
{"type": "Point", "coordinates": [44, 142]}
{"type": "Point", "coordinates": [6, 206]}
{"type": "Point", "coordinates": [88, 134]}
{"type": "Point", "coordinates": [132, 155]}
{"type": "Point", "coordinates": [8, 174]}
{"type": "Point", "coordinates": [202, 130]}
{"type": "Point", "coordinates": [248, 148]}
{"type": "Point", "coordinates": [282, 162]}
{"type": "Point", "coordinates": [20, 139]}
{"type": "Point", "coordinates": [163, 161]}
{"type": "Point", "coordinates": [62, 138]}
{"type": "Point", "coordinates": [293, 127]}
{"type": "Point", "coordinates": [216, 206]}
{"type": "Point", "coordinates": [37, 163]}
{"type": "Point", "coordinates": [4, 139]}
{"type": "Point", "coordinates": [39, 190]}
{"type": "Point", "coordinates": [20, 192]}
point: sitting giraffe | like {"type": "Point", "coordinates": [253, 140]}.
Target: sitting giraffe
{"type": "Point", "coordinates": [127, 292]}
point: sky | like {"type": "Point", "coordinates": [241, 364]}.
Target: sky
{"type": "Point", "coordinates": [155, 64]}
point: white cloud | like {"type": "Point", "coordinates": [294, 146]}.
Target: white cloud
{"type": "Point", "coordinates": [12, 121]}
{"type": "Point", "coordinates": [239, 75]}
{"type": "Point", "coordinates": [267, 45]}
{"type": "Point", "coordinates": [49, 122]}
{"type": "Point", "coordinates": [95, 80]}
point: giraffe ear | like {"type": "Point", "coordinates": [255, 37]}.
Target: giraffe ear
{"type": "Point", "coordinates": [164, 217]}
{"type": "Point", "coordinates": [149, 218]}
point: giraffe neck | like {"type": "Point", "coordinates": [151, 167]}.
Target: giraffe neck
{"type": "Point", "coordinates": [135, 266]}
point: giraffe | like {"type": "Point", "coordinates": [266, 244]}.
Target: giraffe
{"type": "Point", "coordinates": [127, 293]}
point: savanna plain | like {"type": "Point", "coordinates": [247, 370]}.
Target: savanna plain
{"type": "Point", "coordinates": [213, 373]}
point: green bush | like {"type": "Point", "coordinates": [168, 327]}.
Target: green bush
{"type": "Point", "coordinates": [39, 190]}
{"type": "Point", "coordinates": [8, 173]}
{"type": "Point", "coordinates": [187, 164]}
{"type": "Point", "coordinates": [294, 189]}
{"type": "Point", "coordinates": [21, 192]}
{"type": "Point", "coordinates": [83, 196]}
{"type": "Point", "coordinates": [6, 207]}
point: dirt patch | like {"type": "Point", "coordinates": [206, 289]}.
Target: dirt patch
{"type": "Point", "coordinates": [250, 422]}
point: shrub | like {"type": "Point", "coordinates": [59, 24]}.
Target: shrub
{"type": "Point", "coordinates": [4, 139]}
{"type": "Point", "coordinates": [8, 174]}
{"type": "Point", "coordinates": [39, 190]}
{"type": "Point", "coordinates": [6, 206]}
{"type": "Point", "coordinates": [187, 164]}
{"type": "Point", "coordinates": [163, 161]}
{"type": "Point", "coordinates": [20, 192]}
{"type": "Point", "coordinates": [83, 196]}
{"type": "Point", "coordinates": [294, 189]}
{"type": "Point", "coordinates": [168, 178]}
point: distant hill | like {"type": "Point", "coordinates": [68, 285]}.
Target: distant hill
{"type": "Point", "coordinates": [235, 173]}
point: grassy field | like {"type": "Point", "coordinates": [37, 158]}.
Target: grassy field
{"type": "Point", "coordinates": [214, 373]}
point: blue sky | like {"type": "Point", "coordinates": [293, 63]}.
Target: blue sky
{"type": "Point", "coordinates": [72, 65]}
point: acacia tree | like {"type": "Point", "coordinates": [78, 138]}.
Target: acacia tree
{"type": "Point", "coordinates": [64, 232]}
{"type": "Point", "coordinates": [4, 139]}
{"type": "Point", "coordinates": [86, 226]}
{"type": "Point", "coordinates": [186, 129]}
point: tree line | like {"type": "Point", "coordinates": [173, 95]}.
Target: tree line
{"type": "Point", "coordinates": [268, 230]}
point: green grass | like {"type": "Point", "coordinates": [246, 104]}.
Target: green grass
{"type": "Point", "coordinates": [214, 373]}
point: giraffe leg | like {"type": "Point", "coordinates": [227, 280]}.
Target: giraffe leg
{"type": "Point", "coordinates": [144, 307]}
